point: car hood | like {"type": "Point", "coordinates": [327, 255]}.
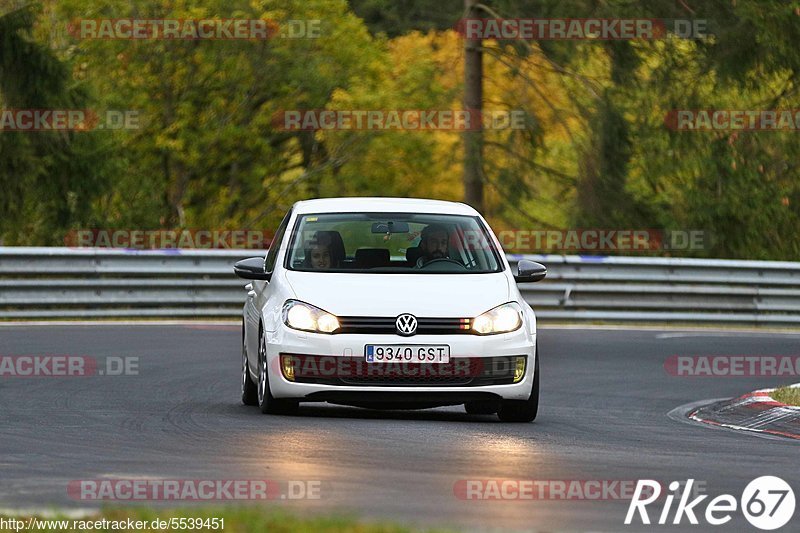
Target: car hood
{"type": "Point", "coordinates": [428, 295]}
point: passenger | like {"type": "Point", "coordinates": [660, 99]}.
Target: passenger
{"type": "Point", "coordinates": [317, 254]}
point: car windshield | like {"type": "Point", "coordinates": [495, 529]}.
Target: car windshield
{"type": "Point", "coordinates": [392, 243]}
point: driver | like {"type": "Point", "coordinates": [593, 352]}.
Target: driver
{"type": "Point", "coordinates": [433, 245]}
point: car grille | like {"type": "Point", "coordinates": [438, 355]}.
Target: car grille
{"type": "Point", "coordinates": [386, 325]}
{"type": "Point", "coordinates": [464, 371]}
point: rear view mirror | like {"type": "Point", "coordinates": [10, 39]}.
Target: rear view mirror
{"type": "Point", "coordinates": [530, 271]}
{"type": "Point", "coordinates": [251, 268]}
{"type": "Point", "coordinates": [390, 227]}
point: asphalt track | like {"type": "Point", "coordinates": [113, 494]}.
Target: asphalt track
{"type": "Point", "coordinates": [603, 416]}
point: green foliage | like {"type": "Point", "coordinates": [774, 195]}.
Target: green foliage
{"type": "Point", "coordinates": [397, 17]}
{"type": "Point", "coordinates": [208, 154]}
{"type": "Point", "coordinates": [595, 150]}
{"type": "Point", "coordinates": [48, 180]}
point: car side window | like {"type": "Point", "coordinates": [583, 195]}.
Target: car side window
{"type": "Point", "coordinates": [275, 246]}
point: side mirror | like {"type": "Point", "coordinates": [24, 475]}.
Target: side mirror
{"type": "Point", "coordinates": [251, 268]}
{"type": "Point", "coordinates": [530, 271]}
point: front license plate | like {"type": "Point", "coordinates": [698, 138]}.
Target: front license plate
{"type": "Point", "coordinates": [407, 353]}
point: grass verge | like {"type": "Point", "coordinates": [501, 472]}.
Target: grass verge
{"type": "Point", "coordinates": [787, 395]}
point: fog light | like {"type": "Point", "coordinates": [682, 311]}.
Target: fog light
{"type": "Point", "coordinates": [519, 369]}
{"type": "Point", "coordinates": [287, 366]}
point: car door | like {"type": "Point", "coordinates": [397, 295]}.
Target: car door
{"type": "Point", "coordinates": [258, 296]}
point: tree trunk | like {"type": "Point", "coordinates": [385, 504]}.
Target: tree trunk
{"type": "Point", "coordinates": [473, 103]}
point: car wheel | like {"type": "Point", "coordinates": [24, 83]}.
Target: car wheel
{"type": "Point", "coordinates": [249, 389]}
{"type": "Point", "coordinates": [480, 408]}
{"type": "Point", "coordinates": [523, 410]}
{"type": "Point", "coordinates": [266, 402]}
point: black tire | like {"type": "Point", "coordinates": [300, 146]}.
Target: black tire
{"type": "Point", "coordinates": [249, 389]}
{"type": "Point", "coordinates": [481, 408]}
{"type": "Point", "coordinates": [266, 402]}
{"type": "Point", "coordinates": [523, 410]}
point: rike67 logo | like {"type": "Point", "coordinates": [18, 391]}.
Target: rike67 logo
{"type": "Point", "coordinates": [767, 503]}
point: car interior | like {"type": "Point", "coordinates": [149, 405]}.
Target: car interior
{"type": "Point", "coordinates": [392, 245]}
{"type": "Point", "coordinates": [364, 258]}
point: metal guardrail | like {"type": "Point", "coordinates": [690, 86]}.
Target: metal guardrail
{"type": "Point", "coordinates": [49, 283]}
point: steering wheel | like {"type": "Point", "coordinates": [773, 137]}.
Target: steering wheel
{"type": "Point", "coordinates": [442, 260]}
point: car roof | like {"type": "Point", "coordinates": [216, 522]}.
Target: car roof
{"type": "Point", "coordinates": [364, 204]}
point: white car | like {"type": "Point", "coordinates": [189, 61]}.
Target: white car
{"type": "Point", "coordinates": [388, 303]}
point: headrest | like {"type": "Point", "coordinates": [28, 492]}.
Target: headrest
{"type": "Point", "coordinates": [372, 257]}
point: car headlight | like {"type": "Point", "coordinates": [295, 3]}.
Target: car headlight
{"type": "Point", "coordinates": [306, 317]}
{"type": "Point", "coordinates": [501, 319]}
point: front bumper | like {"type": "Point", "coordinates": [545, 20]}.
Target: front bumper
{"type": "Point", "coordinates": [352, 346]}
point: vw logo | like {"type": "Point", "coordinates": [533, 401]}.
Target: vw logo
{"type": "Point", "coordinates": [406, 324]}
